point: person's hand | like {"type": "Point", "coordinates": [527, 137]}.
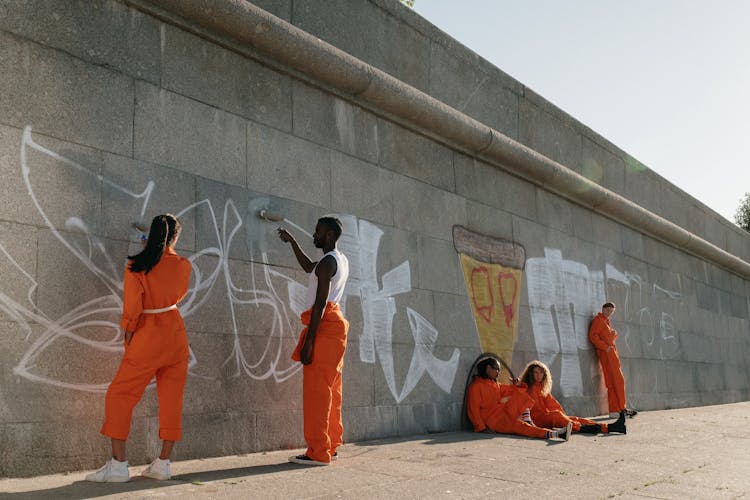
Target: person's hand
{"type": "Point", "coordinates": [284, 235]}
{"type": "Point", "coordinates": [515, 381]}
{"type": "Point", "coordinates": [609, 348]}
{"type": "Point", "coordinates": [128, 337]}
{"type": "Point", "coordinates": [306, 353]}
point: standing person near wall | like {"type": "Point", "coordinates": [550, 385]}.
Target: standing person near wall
{"type": "Point", "coordinates": [547, 411]}
{"type": "Point", "coordinates": [495, 407]}
{"type": "Point", "coordinates": [155, 346]}
{"type": "Point", "coordinates": [322, 343]}
{"type": "Point", "coordinates": [603, 336]}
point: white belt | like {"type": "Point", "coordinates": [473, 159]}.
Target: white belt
{"type": "Point", "coordinates": [162, 310]}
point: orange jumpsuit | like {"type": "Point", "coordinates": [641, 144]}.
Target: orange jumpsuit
{"type": "Point", "coordinates": [547, 412]}
{"type": "Point", "coordinates": [603, 336]}
{"type": "Point", "coordinates": [488, 408]}
{"type": "Point", "coordinates": [321, 383]}
{"type": "Point", "coordinates": [158, 348]}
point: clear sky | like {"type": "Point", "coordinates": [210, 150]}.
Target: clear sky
{"type": "Point", "coordinates": [668, 81]}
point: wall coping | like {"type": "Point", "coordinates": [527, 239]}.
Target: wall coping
{"type": "Point", "coordinates": [253, 27]}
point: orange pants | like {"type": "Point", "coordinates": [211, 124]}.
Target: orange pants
{"type": "Point", "coordinates": [158, 349]}
{"type": "Point", "coordinates": [504, 419]}
{"type": "Point", "coordinates": [321, 384]}
{"type": "Point", "coordinates": [560, 419]}
{"type": "Point", "coordinates": [613, 379]}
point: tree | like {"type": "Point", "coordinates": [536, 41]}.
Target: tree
{"type": "Point", "coordinates": [408, 3]}
{"type": "Point", "coordinates": [742, 215]}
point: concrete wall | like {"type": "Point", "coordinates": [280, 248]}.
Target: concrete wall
{"type": "Point", "coordinates": [114, 111]}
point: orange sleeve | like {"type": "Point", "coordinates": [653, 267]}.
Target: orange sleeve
{"type": "Point", "coordinates": [132, 302]}
{"type": "Point", "coordinates": [595, 334]}
{"type": "Point", "coordinates": [474, 404]}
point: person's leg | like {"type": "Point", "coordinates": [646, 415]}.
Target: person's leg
{"type": "Point", "coordinates": [170, 389]}
{"type": "Point", "coordinates": [335, 424]}
{"type": "Point", "coordinates": [556, 419]}
{"type": "Point", "coordinates": [615, 385]}
{"type": "Point", "coordinates": [123, 394]}
{"type": "Point", "coordinates": [317, 382]}
{"type": "Point", "coordinates": [118, 449]}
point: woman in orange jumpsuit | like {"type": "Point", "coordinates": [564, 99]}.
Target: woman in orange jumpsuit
{"type": "Point", "coordinates": [155, 346]}
{"type": "Point", "coordinates": [547, 412]}
{"type": "Point", "coordinates": [495, 407]}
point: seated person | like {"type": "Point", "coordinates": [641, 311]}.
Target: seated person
{"type": "Point", "coordinates": [495, 407]}
{"type": "Point", "coordinates": [547, 412]}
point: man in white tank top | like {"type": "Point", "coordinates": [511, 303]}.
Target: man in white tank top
{"type": "Point", "coordinates": [322, 343]}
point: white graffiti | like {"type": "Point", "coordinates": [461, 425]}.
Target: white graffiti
{"type": "Point", "coordinates": [270, 294]}
{"type": "Point", "coordinates": [379, 307]}
{"type": "Point", "coordinates": [563, 297]}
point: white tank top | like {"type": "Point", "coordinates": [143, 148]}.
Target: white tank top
{"type": "Point", "coordinates": [338, 280]}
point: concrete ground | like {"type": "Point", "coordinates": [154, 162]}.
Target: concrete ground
{"type": "Point", "coordinates": [686, 453]}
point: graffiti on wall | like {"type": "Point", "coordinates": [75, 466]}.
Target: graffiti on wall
{"type": "Point", "coordinates": [563, 295]}
{"type": "Point", "coordinates": [492, 269]}
{"type": "Point", "coordinates": [269, 292]}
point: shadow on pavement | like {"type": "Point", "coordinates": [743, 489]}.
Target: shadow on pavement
{"type": "Point", "coordinates": [85, 489]}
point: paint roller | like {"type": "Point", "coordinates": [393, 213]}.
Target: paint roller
{"type": "Point", "coordinates": [270, 216]}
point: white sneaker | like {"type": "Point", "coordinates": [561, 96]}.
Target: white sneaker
{"type": "Point", "coordinates": [158, 469]}
{"type": "Point", "coordinates": [113, 471]}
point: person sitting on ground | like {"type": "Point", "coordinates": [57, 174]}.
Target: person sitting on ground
{"type": "Point", "coordinates": [547, 412]}
{"type": "Point", "coordinates": [494, 407]}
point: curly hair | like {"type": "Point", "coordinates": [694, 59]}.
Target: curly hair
{"type": "Point", "coordinates": [528, 376]}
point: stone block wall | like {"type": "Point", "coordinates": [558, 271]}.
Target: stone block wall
{"type": "Point", "coordinates": [111, 114]}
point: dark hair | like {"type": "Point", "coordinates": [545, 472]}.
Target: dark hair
{"type": "Point", "coordinates": [609, 304]}
{"type": "Point", "coordinates": [164, 231]}
{"type": "Point", "coordinates": [332, 224]}
{"type": "Point", "coordinates": [482, 367]}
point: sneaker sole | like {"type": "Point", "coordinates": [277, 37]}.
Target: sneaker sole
{"type": "Point", "coordinates": [154, 475]}
{"type": "Point", "coordinates": [296, 460]}
{"type": "Point", "coordinates": [568, 431]}
{"type": "Point", "coordinates": [109, 480]}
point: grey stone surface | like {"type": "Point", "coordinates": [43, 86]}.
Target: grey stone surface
{"type": "Point", "coordinates": [601, 166]}
{"type": "Point", "coordinates": [643, 186]}
{"type": "Point", "coordinates": [415, 156]}
{"type": "Point", "coordinates": [225, 80]}
{"type": "Point", "coordinates": [454, 319]}
{"type": "Point", "coordinates": [488, 220]}
{"type": "Point", "coordinates": [487, 184]}
{"type": "Point", "coordinates": [424, 209]}
{"type": "Point", "coordinates": [279, 8]}
{"type": "Point", "coordinates": [222, 137]}
{"type": "Point", "coordinates": [549, 136]}
{"type": "Point", "coordinates": [64, 97]}
{"type": "Point", "coordinates": [369, 422]}
{"type": "Point", "coordinates": [457, 79]}
{"type": "Point", "coordinates": [125, 196]}
{"type": "Point", "coordinates": [554, 211]}
{"type": "Point", "coordinates": [330, 121]}
{"type": "Point", "coordinates": [362, 189]}
{"type": "Point", "coordinates": [18, 262]}
{"type": "Point", "coordinates": [281, 165]}
{"type": "Point", "coordinates": [175, 131]}
{"type": "Point", "coordinates": [101, 32]}
{"type": "Point", "coordinates": [439, 266]}
{"type": "Point", "coordinates": [369, 33]}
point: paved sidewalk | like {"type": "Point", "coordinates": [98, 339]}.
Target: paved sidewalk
{"type": "Point", "coordinates": [687, 453]}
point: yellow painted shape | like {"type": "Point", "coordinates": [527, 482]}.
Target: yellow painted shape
{"type": "Point", "coordinates": [494, 293]}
